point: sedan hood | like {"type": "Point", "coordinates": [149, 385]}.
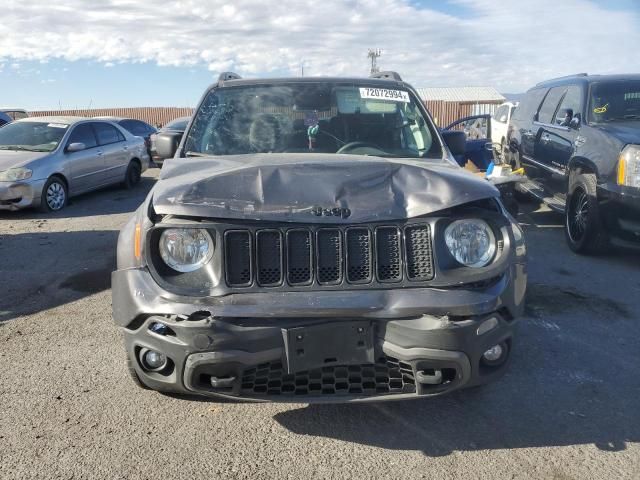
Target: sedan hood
{"type": "Point", "coordinates": [287, 187]}
{"type": "Point", "coordinates": [626, 132]}
{"type": "Point", "coordinates": [18, 158]}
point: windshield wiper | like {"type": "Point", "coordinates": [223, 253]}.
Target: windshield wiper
{"type": "Point", "coordinates": [196, 154]}
{"type": "Point", "coordinates": [13, 147]}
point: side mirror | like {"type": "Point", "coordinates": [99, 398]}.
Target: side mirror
{"type": "Point", "coordinates": [455, 140]}
{"type": "Point", "coordinates": [76, 147]}
{"type": "Point", "coordinates": [575, 122]}
{"type": "Point", "coordinates": [167, 144]}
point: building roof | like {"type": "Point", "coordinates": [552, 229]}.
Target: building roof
{"type": "Point", "coordinates": [461, 94]}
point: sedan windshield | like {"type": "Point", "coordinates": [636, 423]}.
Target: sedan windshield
{"type": "Point", "coordinates": [319, 117]}
{"type": "Point", "coordinates": [32, 136]}
{"type": "Point", "coordinates": [615, 101]}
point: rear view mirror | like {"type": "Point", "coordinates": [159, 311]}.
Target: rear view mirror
{"type": "Point", "coordinates": [455, 140]}
{"type": "Point", "coordinates": [167, 144]}
{"type": "Point", "coordinates": [76, 147]}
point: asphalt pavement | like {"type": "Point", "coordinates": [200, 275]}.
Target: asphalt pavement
{"type": "Point", "coordinates": [568, 408]}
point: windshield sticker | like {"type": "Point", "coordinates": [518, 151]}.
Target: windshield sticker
{"type": "Point", "coordinates": [602, 109]}
{"type": "Point", "coordinates": [385, 94]}
{"type": "Point", "coordinates": [57, 125]}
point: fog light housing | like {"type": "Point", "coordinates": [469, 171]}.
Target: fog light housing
{"type": "Point", "coordinates": [153, 361]}
{"type": "Point", "coordinates": [496, 355]}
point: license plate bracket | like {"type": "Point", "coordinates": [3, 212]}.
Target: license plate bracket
{"type": "Point", "coordinates": [328, 344]}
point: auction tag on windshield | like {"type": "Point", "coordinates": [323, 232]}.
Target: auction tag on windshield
{"type": "Point", "coordinates": [57, 125]}
{"type": "Point", "coordinates": [384, 94]}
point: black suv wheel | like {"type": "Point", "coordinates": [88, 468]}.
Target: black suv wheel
{"type": "Point", "coordinates": [583, 226]}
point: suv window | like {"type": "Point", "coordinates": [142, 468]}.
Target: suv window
{"type": "Point", "coordinates": [571, 105]}
{"type": "Point", "coordinates": [136, 127]}
{"type": "Point", "coordinates": [501, 114]}
{"type": "Point", "coordinates": [83, 133]}
{"type": "Point", "coordinates": [550, 104]}
{"type": "Point", "coordinates": [326, 117]}
{"type": "Point", "coordinates": [529, 105]}
{"type": "Point", "coordinates": [107, 134]}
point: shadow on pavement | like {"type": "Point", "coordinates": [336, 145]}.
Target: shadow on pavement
{"type": "Point", "coordinates": [107, 201]}
{"type": "Point", "coordinates": [573, 379]}
{"type": "Point", "coordinates": [40, 271]}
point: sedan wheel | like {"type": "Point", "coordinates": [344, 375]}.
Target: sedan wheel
{"type": "Point", "coordinates": [54, 195]}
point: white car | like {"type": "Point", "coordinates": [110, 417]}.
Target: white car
{"type": "Point", "coordinates": [500, 123]}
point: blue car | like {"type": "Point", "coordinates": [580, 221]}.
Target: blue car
{"type": "Point", "coordinates": [4, 119]}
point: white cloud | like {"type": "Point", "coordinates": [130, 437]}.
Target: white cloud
{"type": "Point", "coordinates": [510, 46]}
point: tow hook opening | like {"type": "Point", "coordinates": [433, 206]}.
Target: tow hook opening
{"type": "Point", "coordinates": [436, 377]}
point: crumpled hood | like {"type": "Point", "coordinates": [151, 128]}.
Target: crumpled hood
{"type": "Point", "coordinates": [287, 187]}
{"type": "Point", "coordinates": [626, 132]}
{"type": "Point", "coordinates": [17, 158]}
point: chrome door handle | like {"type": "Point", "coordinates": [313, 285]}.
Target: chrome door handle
{"type": "Point", "coordinates": [125, 148]}
{"type": "Point", "coordinates": [99, 153]}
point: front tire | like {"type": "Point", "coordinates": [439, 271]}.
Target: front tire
{"type": "Point", "coordinates": [54, 195]}
{"type": "Point", "coordinates": [584, 230]}
{"type": "Point", "coordinates": [133, 174]}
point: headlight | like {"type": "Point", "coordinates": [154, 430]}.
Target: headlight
{"type": "Point", "coordinates": [14, 174]}
{"type": "Point", "coordinates": [471, 242]}
{"type": "Point", "coordinates": [629, 166]}
{"type": "Point", "coordinates": [186, 249]}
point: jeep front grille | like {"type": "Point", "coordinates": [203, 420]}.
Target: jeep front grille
{"type": "Point", "coordinates": [358, 255]}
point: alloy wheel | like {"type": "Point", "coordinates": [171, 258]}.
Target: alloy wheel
{"type": "Point", "coordinates": [578, 214]}
{"type": "Point", "coordinates": [56, 196]}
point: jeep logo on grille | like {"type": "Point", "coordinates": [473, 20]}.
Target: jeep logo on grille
{"type": "Point", "coordinates": [341, 212]}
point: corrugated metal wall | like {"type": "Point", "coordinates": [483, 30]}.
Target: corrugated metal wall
{"type": "Point", "coordinates": [446, 112]}
{"type": "Point", "coordinates": [152, 115]}
{"type": "Point", "coordinates": [443, 112]}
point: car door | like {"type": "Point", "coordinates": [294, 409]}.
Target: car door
{"type": "Point", "coordinates": [527, 113]}
{"type": "Point", "coordinates": [86, 166]}
{"type": "Point", "coordinates": [116, 155]}
{"type": "Point", "coordinates": [478, 145]}
{"type": "Point", "coordinates": [546, 133]}
{"type": "Point", "coordinates": [499, 124]}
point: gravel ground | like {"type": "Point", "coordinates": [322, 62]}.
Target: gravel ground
{"type": "Point", "coordinates": [567, 409]}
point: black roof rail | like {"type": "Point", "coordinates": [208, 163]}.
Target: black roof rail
{"type": "Point", "coordinates": [388, 75]}
{"type": "Point", "coordinates": [224, 76]}
{"type": "Point", "coordinates": [582, 74]}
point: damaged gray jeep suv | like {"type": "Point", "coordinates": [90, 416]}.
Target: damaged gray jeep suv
{"type": "Point", "coordinates": [312, 239]}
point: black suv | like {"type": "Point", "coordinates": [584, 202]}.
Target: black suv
{"type": "Point", "coordinates": [579, 140]}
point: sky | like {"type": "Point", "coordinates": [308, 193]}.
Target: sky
{"type": "Point", "coordinates": [120, 53]}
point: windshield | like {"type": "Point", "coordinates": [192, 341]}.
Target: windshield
{"type": "Point", "coordinates": [615, 101]}
{"type": "Point", "coordinates": [312, 117]}
{"type": "Point", "coordinates": [32, 136]}
{"type": "Point", "coordinates": [180, 124]}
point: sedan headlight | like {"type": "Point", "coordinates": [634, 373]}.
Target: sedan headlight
{"type": "Point", "coordinates": [14, 174]}
{"type": "Point", "coordinates": [186, 249]}
{"type": "Point", "coordinates": [629, 166]}
{"type": "Point", "coordinates": [471, 242]}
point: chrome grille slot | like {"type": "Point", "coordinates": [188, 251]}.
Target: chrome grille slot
{"type": "Point", "coordinates": [329, 255]}
{"type": "Point", "coordinates": [358, 255]}
{"type": "Point", "coordinates": [299, 258]}
{"type": "Point", "coordinates": [388, 254]}
{"type": "Point", "coordinates": [419, 254]}
{"type": "Point", "coordinates": [269, 258]}
{"type": "Point", "coordinates": [238, 265]}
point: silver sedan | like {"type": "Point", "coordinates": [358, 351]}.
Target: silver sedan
{"type": "Point", "coordinates": [46, 160]}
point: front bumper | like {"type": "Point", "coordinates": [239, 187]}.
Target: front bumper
{"type": "Point", "coordinates": [21, 194]}
{"type": "Point", "coordinates": [621, 207]}
{"type": "Point", "coordinates": [234, 345]}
